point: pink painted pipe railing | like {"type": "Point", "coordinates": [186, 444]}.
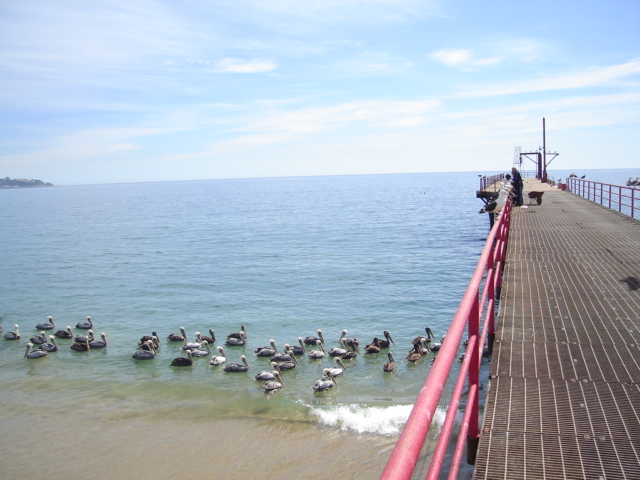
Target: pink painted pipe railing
{"type": "Point", "coordinates": [476, 308]}
{"type": "Point", "coordinates": [616, 197]}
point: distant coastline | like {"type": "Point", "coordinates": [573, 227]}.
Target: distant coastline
{"type": "Point", "coordinates": [22, 183]}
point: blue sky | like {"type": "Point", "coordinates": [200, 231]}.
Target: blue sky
{"type": "Point", "coordinates": [115, 91]}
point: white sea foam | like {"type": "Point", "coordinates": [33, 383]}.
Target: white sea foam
{"type": "Point", "coordinates": [376, 420]}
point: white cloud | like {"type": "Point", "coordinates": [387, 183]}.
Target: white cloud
{"type": "Point", "coordinates": [451, 56]}
{"type": "Point", "coordinates": [236, 65]}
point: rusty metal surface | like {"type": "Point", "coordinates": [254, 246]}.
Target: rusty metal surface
{"type": "Point", "coordinates": [564, 395]}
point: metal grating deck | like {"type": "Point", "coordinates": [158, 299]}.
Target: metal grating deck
{"type": "Point", "coordinates": [564, 394]}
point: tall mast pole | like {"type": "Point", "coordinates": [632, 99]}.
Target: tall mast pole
{"type": "Point", "coordinates": [544, 152]}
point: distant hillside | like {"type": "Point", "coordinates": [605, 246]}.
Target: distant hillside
{"type": "Point", "coordinates": [22, 183]}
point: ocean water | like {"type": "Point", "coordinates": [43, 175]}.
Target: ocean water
{"type": "Point", "coordinates": [281, 256]}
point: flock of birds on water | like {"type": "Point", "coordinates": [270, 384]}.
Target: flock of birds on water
{"type": "Point", "coordinates": [311, 346]}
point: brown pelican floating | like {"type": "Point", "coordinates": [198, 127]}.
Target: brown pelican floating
{"type": "Point", "coordinates": [93, 343]}
{"type": "Point", "coordinates": [174, 337]}
{"type": "Point", "coordinates": [64, 333]}
{"type": "Point", "coordinates": [183, 361]}
{"type": "Point", "coordinates": [35, 353]}
{"type": "Point", "coordinates": [238, 367]}
{"type": "Point", "coordinates": [312, 340]}
{"type": "Point", "coordinates": [268, 374]}
{"type": "Point", "coordinates": [297, 350]}
{"type": "Point", "coordinates": [153, 337]}
{"type": "Point", "coordinates": [434, 346]}
{"type": "Point", "coordinates": [210, 340]}
{"type": "Point", "coordinates": [51, 346]}
{"type": "Point", "coordinates": [336, 371]}
{"type": "Point", "coordinates": [317, 354]}
{"type": "Point", "coordinates": [15, 335]}
{"type": "Point", "coordinates": [46, 326]}
{"type": "Point", "coordinates": [282, 357]}
{"type": "Point", "coordinates": [426, 339]}
{"type": "Point", "coordinates": [352, 353]}
{"type": "Point", "coordinates": [374, 347]}
{"type": "Point", "coordinates": [325, 383]}
{"type": "Point", "coordinates": [218, 359]}
{"type": "Point", "coordinates": [273, 385]}
{"type": "Point", "coordinates": [142, 354]}
{"type": "Point", "coordinates": [192, 345]}
{"type": "Point", "coordinates": [199, 352]}
{"type": "Point", "coordinates": [266, 351]}
{"type": "Point", "coordinates": [386, 343]}
{"type": "Point", "coordinates": [39, 339]}
{"type": "Point", "coordinates": [349, 340]}
{"type": "Point", "coordinates": [337, 351]}
{"type": "Point", "coordinates": [414, 355]}
{"type": "Point", "coordinates": [85, 325]}
{"type": "Point", "coordinates": [81, 347]}
{"type": "Point", "coordinates": [288, 364]}
{"type": "Point", "coordinates": [239, 335]}
{"type": "Point", "coordinates": [81, 338]}
{"type": "Point", "coordinates": [390, 366]}
{"type": "Point", "coordinates": [237, 342]}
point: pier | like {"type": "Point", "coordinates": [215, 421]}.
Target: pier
{"type": "Point", "coordinates": [564, 393]}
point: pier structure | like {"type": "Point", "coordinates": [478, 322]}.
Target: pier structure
{"type": "Point", "coordinates": [564, 393]}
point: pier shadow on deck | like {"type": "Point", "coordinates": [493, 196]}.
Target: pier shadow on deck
{"type": "Point", "coordinates": [564, 395]}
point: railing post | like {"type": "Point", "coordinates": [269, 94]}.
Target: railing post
{"type": "Point", "coordinates": [474, 378]}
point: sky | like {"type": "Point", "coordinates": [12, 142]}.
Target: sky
{"type": "Point", "coordinates": [113, 91]}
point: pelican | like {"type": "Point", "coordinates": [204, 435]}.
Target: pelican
{"type": "Point", "coordinates": [183, 361]}
{"type": "Point", "coordinates": [268, 374]}
{"type": "Point", "coordinates": [239, 335]}
{"type": "Point", "coordinates": [288, 365]}
{"type": "Point", "coordinates": [218, 359]}
{"type": "Point", "coordinates": [272, 385]}
{"type": "Point", "coordinates": [85, 325]}
{"type": "Point", "coordinates": [153, 337]}
{"type": "Point", "coordinates": [198, 352]}
{"type": "Point", "coordinates": [238, 367]}
{"type": "Point", "coordinates": [64, 333]}
{"type": "Point", "coordinates": [312, 340]}
{"type": "Point", "coordinates": [39, 339]}
{"type": "Point", "coordinates": [336, 371]}
{"type": "Point", "coordinates": [155, 342]}
{"type": "Point", "coordinates": [174, 337]}
{"type": "Point", "coordinates": [386, 343]}
{"type": "Point", "coordinates": [81, 338]}
{"type": "Point", "coordinates": [81, 347]}
{"type": "Point", "coordinates": [351, 354]}
{"type": "Point", "coordinates": [350, 340]}
{"type": "Point", "coordinates": [35, 353]}
{"type": "Point", "coordinates": [374, 347]}
{"type": "Point", "coordinates": [210, 340]}
{"type": "Point", "coordinates": [282, 357]}
{"type": "Point", "coordinates": [237, 342]}
{"type": "Point", "coordinates": [434, 346]}
{"type": "Point", "coordinates": [297, 350]}
{"type": "Point", "coordinates": [141, 354]}
{"type": "Point", "coordinates": [317, 354]}
{"type": "Point", "coordinates": [414, 355]}
{"type": "Point", "coordinates": [97, 343]}
{"type": "Point", "coordinates": [15, 335]}
{"type": "Point", "coordinates": [426, 339]}
{"type": "Point", "coordinates": [390, 366]}
{"type": "Point", "coordinates": [51, 346]}
{"type": "Point", "coordinates": [46, 326]}
{"type": "Point", "coordinates": [192, 345]}
{"type": "Point", "coordinates": [326, 382]}
{"type": "Point", "coordinates": [337, 351]}
{"type": "Point", "coordinates": [266, 351]}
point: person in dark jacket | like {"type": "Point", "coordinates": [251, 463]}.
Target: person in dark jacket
{"type": "Point", "coordinates": [516, 181]}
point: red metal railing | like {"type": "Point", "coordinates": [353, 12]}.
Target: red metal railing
{"type": "Point", "coordinates": [476, 308]}
{"type": "Point", "coordinates": [616, 197]}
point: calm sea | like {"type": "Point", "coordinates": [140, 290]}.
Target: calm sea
{"type": "Point", "coordinates": [281, 256]}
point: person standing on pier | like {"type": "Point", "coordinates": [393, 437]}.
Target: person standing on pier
{"type": "Point", "coordinates": [516, 181]}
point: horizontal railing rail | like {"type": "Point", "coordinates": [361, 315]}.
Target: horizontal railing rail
{"type": "Point", "coordinates": [491, 183]}
{"type": "Point", "coordinates": [623, 199]}
{"type": "Point", "coordinates": [476, 308]}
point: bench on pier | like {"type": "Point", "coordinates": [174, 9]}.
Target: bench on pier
{"type": "Point", "coordinates": [535, 197]}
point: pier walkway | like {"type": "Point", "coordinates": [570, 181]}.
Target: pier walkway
{"type": "Point", "coordinates": [564, 394]}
